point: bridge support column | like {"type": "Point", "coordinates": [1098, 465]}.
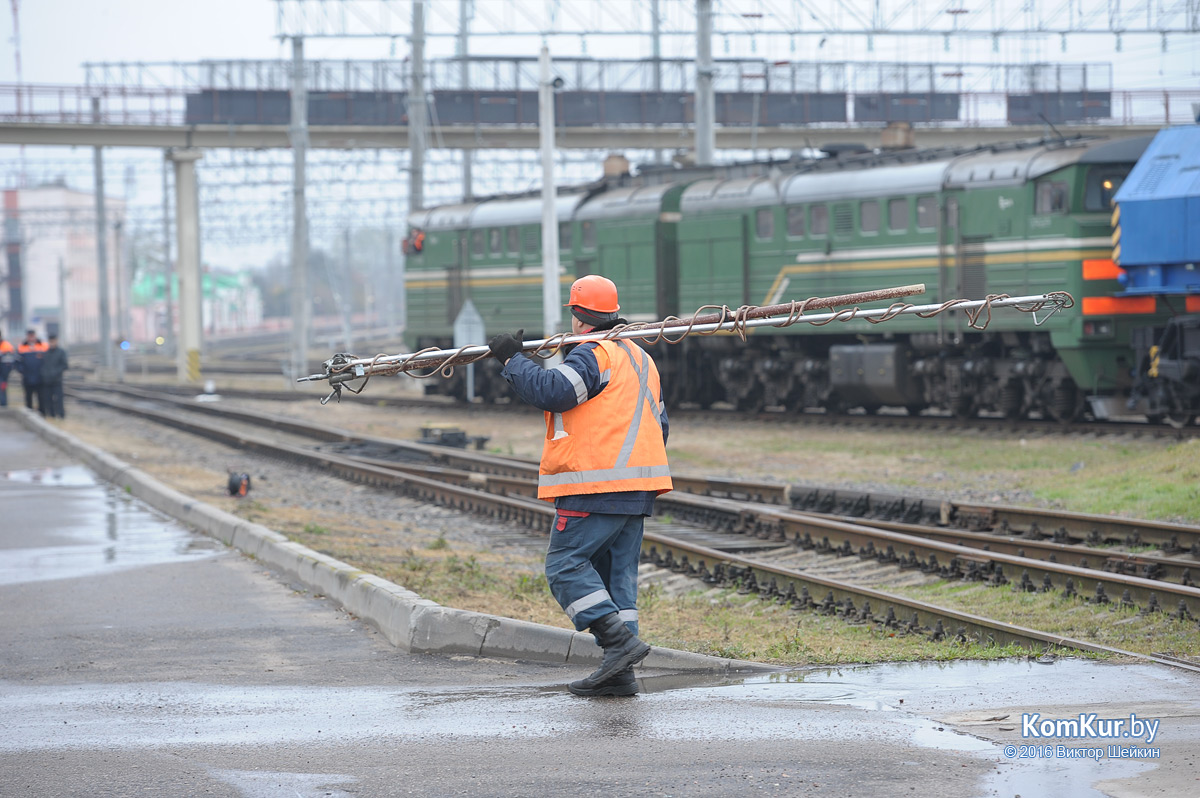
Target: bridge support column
{"type": "Point", "coordinates": [187, 225]}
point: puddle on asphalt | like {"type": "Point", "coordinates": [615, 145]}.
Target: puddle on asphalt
{"type": "Point", "coordinates": [73, 476]}
{"type": "Point", "coordinates": [95, 528]}
{"type": "Point", "coordinates": [797, 706]}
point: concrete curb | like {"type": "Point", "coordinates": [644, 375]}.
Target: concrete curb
{"type": "Point", "coordinates": [408, 621]}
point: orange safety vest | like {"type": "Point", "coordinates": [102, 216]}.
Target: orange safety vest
{"type": "Point", "coordinates": [612, 442]}
{"type": "Point", "coordinates": [38, 347]}
{"type": "Point", "coordinates": [5, 346]}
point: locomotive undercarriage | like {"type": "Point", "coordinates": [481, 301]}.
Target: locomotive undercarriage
{"type": "Point", "coordinates": [1015, 375]}
{"type": "Point", "coordinates": [1167, 382]}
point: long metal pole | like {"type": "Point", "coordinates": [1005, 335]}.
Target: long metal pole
{"type": "Point", "coordinates": [551, 295]}
{"type": "Point", "coordinates": [705, 101]}
{"type": "Point", "coordinates": [674, 329]}
{"type": "Point", "coordinates": [301, 302]}
{"type": "Point", "coordinates": [106, 344]}
{"type": "Point", "coordinates": [417, 113]}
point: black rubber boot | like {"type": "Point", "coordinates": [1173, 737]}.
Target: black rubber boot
{"type": "Point", "coordinates": [624, 683]}
{"type": "Point", "coordinates": [622, 650]}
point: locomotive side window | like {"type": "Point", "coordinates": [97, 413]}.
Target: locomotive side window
{"type": "Point", "coordinates": [795, 221]}
{"type": "Point", "coordinates": [531, 240]}
{"type": "Point", "coordinates": [564, 235]}
{"type": "Point", "coordinates": [764, 224]}
{"type": "Point", "coordinates": [477, 243]}
{"type": "Point", "coordinates": [898, 216]}
{"type": "Point", "coordinates": [1102, 185]}
{"type": "Point", "coordinates": [819, 220]}
{"type": "Point", "coordinates": [514, 240]}
{"type": "Point", "coordinates": [495, 240]}
{"type": "Point", "coordinates": [868, 216]}
{"type": "Point", "coordinates": [926, 213]}
{"type": "Point", "coordinates": [1052, 197]}
{"type": "Point", "coordinates": [589, 235]}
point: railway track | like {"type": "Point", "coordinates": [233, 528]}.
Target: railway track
{"type": "Point", "coordinates": [726, 530]}
{"type": "Point", "coordinates": [926, 424]}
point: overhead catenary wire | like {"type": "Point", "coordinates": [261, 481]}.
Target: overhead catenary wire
{"type": "Point", "coordinates": [344, 368]}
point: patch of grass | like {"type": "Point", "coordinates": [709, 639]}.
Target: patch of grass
{"type": "Point", "coordinates": [315, 529]}
{"type": "Point", "coordinates": [1106, 624]}
{"type": "Point", "coordinates": [438, 543]}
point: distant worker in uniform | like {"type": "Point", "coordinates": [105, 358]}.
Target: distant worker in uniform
{"type": "Point", "coordinates": [50, 390]}
{"type": "Point", "coordinates": [8, 359]}
{"type": "Point", "coordinates": [604, 461]}
{"type": "Point", "coordinates": [29, 363]}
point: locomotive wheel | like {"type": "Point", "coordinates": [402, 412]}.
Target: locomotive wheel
{"type": "Point", "coordinates": [1180, 419]}
{"type": "Point", "coordinates": [1011, 399]}
{"type": "Point", "coordinates": [962, 406]}
{"type": "Point", "coordinates": [1065, 403]}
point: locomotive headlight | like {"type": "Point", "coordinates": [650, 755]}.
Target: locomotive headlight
{"type": "Point", "coordinates": [1098, 328]}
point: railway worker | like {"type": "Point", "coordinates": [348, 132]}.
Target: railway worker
{"type": "Point", "coordinates": [8, 359]}
{"type": "Point", "coordinates": [604, 460]}
{"type": "Point", "coordinates": [50, 389]}
{"type": "Point", "coordinates": [29, 363]}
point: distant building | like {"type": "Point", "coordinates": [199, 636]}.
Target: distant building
{"type": "Point", "coordinates": [231, 303]}
{"type": "Point", "coordinates": [49, 272]}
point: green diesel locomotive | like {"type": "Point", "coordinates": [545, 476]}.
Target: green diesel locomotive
{"type": "Point", "coordinates": [1010, 219]}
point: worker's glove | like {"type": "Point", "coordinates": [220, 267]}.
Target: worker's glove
{"type": "Point", "coordinates": [505, 345]}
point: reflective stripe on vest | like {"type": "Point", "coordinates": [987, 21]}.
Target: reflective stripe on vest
{"type": "Point", "coordinates": [612, 442]}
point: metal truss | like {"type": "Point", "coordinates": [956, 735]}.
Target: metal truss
{"type": "Point", "coordinates": [349, 19]}
{"type": "Point", "coordinates": [586, 74]}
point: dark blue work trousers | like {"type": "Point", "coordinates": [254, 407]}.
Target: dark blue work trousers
{"type": "Point", "coordinates": [592, 565]}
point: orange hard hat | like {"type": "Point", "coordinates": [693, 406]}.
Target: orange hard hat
{"type": "Point", "coordinates": [595, 293]}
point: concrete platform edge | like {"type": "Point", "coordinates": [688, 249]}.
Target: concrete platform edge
{"type": "Point", "coordinates": [405, 619]}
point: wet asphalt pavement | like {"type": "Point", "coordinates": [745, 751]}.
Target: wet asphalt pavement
{"type": "Point", "coordinates": [142, 659]}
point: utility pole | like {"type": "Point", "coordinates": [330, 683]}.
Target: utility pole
{"type": "Point", "coordinates": [301, 301]}
{"type": "Point", "coordinates": [187, 228]}
{"type": "Point", "coordinates": [705, 101]}
{"type": "Point", "coordinates": [551, 295]}
{"type": "Point", "coordinates": [346, 293]}
{"type": "Point", "coordinates": [167, 271]}
{"type": "Point", "coordinates": [464, 77]}
{"type": "Point", "coordinates": [389, 299]}
{"type": "Point", "coordinates": [656, 54]}
{"type": "Point", "coordinates": [106, 343]}
{"type": "Point", "coordinates": [417, 113]}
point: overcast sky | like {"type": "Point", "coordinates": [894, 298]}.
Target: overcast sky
{"type": "Point", "coordinates": [57, 36]}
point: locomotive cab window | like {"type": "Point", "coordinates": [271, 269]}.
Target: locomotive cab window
{"type": "Point", "coordinates": [926, 213]}
{"type": "Point", "coordinates": [818, 221]}
{"type": "Point", "coordinates": [477, 243]}
{"type": "Point", "coordinates": [1102, 185]}
{"type": "Point", "coordinates": [1052, 197]}
{"type": "Point", "coordinates": [795, 221]}
{"type": "Point", "coordinates": [564, 235]}
{"type": "Point", "coordinates": [868, 217]}
{"type": "Point", "coordinates": [495, 241]}
{"type": "Point", "coordinates": [589, 235]}
{"type": "Point", "coordinates": [764, 224]}
{"type": "Point", "coordinates": [898, 216]}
